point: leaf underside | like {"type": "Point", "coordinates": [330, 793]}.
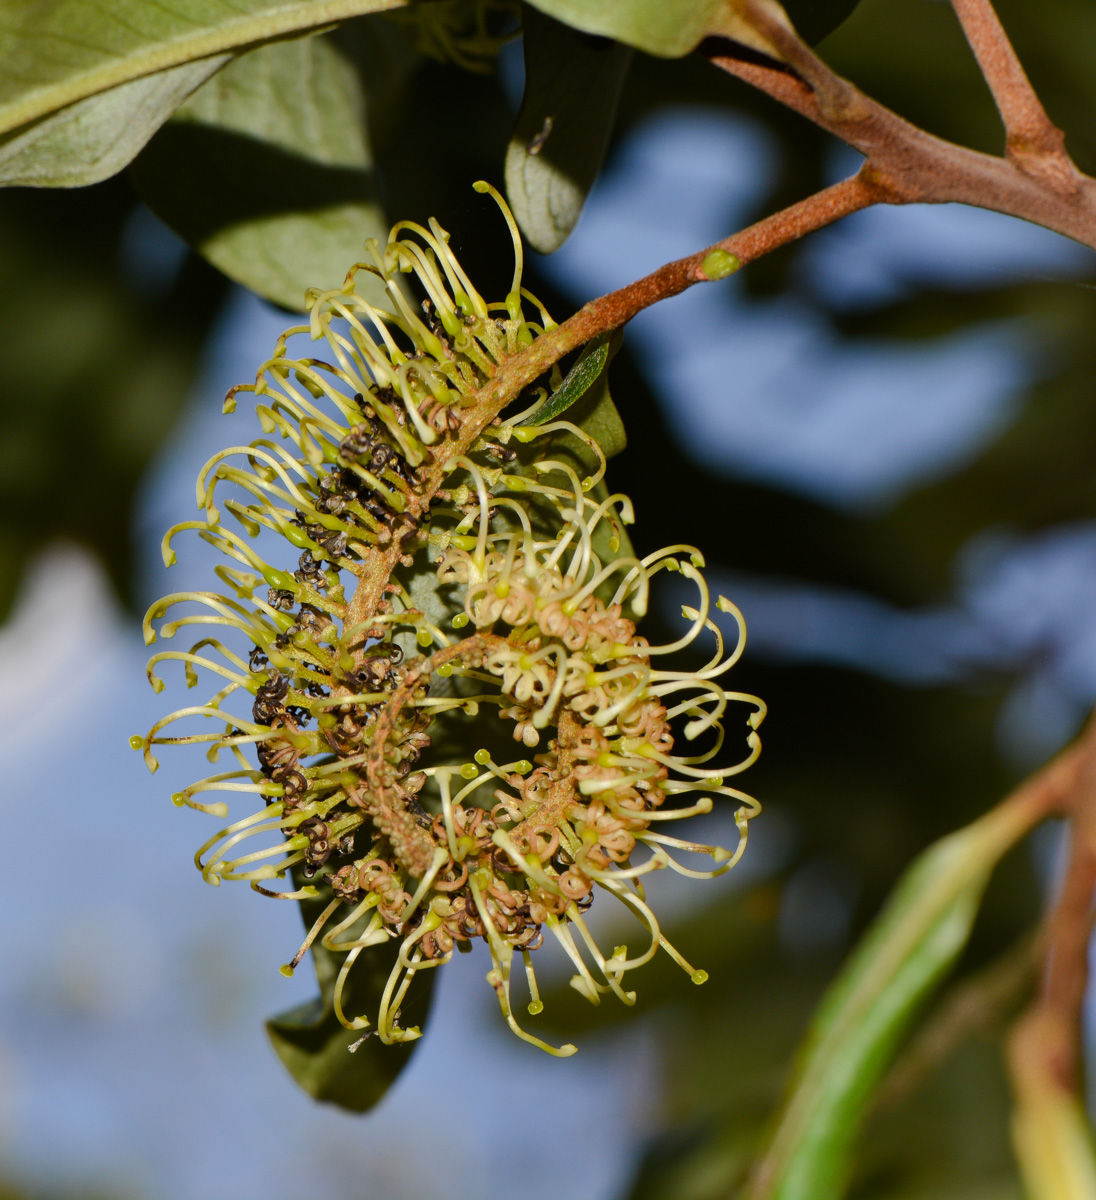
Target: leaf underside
{"type": "Point", "coordinates": [99, 136]}
{"type": "Point", "coordinates": [672, 28]}
{"type": "Point", "coordinates": [572, 86]}
{"type": "Point", "coordinates": [268, 170]}
{"type": "Point", "coordinates": [54, 53]}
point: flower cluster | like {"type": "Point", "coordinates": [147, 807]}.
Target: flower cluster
{"type": "Point", "coordinates": [459, 575]}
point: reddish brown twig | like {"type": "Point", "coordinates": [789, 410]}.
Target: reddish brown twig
{"type": "Point", "coordinates": [618, 308]}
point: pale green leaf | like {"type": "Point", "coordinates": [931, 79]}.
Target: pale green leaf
{"type": "Point", "coordinates": [267, 170]}
{"type": "Point", "coordinates": [572, 85]}
{"type": "Point", "coordinates": [669, 28]}
{"type": "Point", "coordinates": [97, 137]}
{"type": "Point", "coordinates": [54, 53]}
{"type": "Point", "coordinates": [870, 1007]}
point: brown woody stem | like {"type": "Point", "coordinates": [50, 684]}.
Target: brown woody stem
{"type": "Point", "coordinates": [905, 165]}
{"type": "Point", "coordinates": [1030, 132]}
{"type": "Point", "coordinates": [909, 166]}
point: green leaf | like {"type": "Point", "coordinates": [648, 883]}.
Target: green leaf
{"type": "Point", "coordinates": [869, 1008]}
{"type": "Point", "coordinates": [580, 378]}
{"type": "Point", "coordinates": [267, 170]}
{"type": "Point", "coordinates": [594, 412]}
{"type": "Point", "coordinates": [54, 53]}
{"type": "Point", "coordinates": [97, 137]}
{"type": "Point", "coordinates": [572, 86]}
{"type": "Point", "coordinates": [585, 392]}
{"type": "Point", "coordinates": [316, 1048]}
{"type": "Point", "coordinates": [601, 419]}
{"type": "Point", "coordinates": [669, 28]}
{"type": "Point", "coordinates": [672, 28]}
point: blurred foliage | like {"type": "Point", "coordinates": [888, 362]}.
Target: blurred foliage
{"type": "Point", "coordinates": [91, 394]}
{"type": "Point", "coordinates": [861, 773]}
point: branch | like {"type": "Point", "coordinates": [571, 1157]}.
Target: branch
{"type": "Point", "coordinates": [904, 165]}
{"type": "Point", "coordinates": [1045, 1054]}
{"type": "Point", "coordinates": [618, 308]}
{"type": "Point", "coordinates": [907, 165]}
{"type": "Point", "coordinates": [1069, 927]}
{"type": "Point", "coordinates": [1033, 142]}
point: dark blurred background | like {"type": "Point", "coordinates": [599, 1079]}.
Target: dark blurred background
{"type": "Point", "coordinates": [883, 439]}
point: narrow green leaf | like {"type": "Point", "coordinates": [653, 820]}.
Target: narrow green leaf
{"type": "Point", "coordinates": [99, 136]}
{"type": "Point", "coordinates": [54, 53]}
{"type": "Point", "coordinates": [572, 86]}
{"type": "Point", "coordinates": [594, 412]}
{"type": "Point", "coordinates": [316, 1048]}
{"type": "Point", "coordinates": [580, 378]}
{"type": "Point", "coordinates": [868, 1010]}
{"type": "Point", "coordinates": [267, 170]}
{"type": "Point", "coordinates": [584, 396]}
